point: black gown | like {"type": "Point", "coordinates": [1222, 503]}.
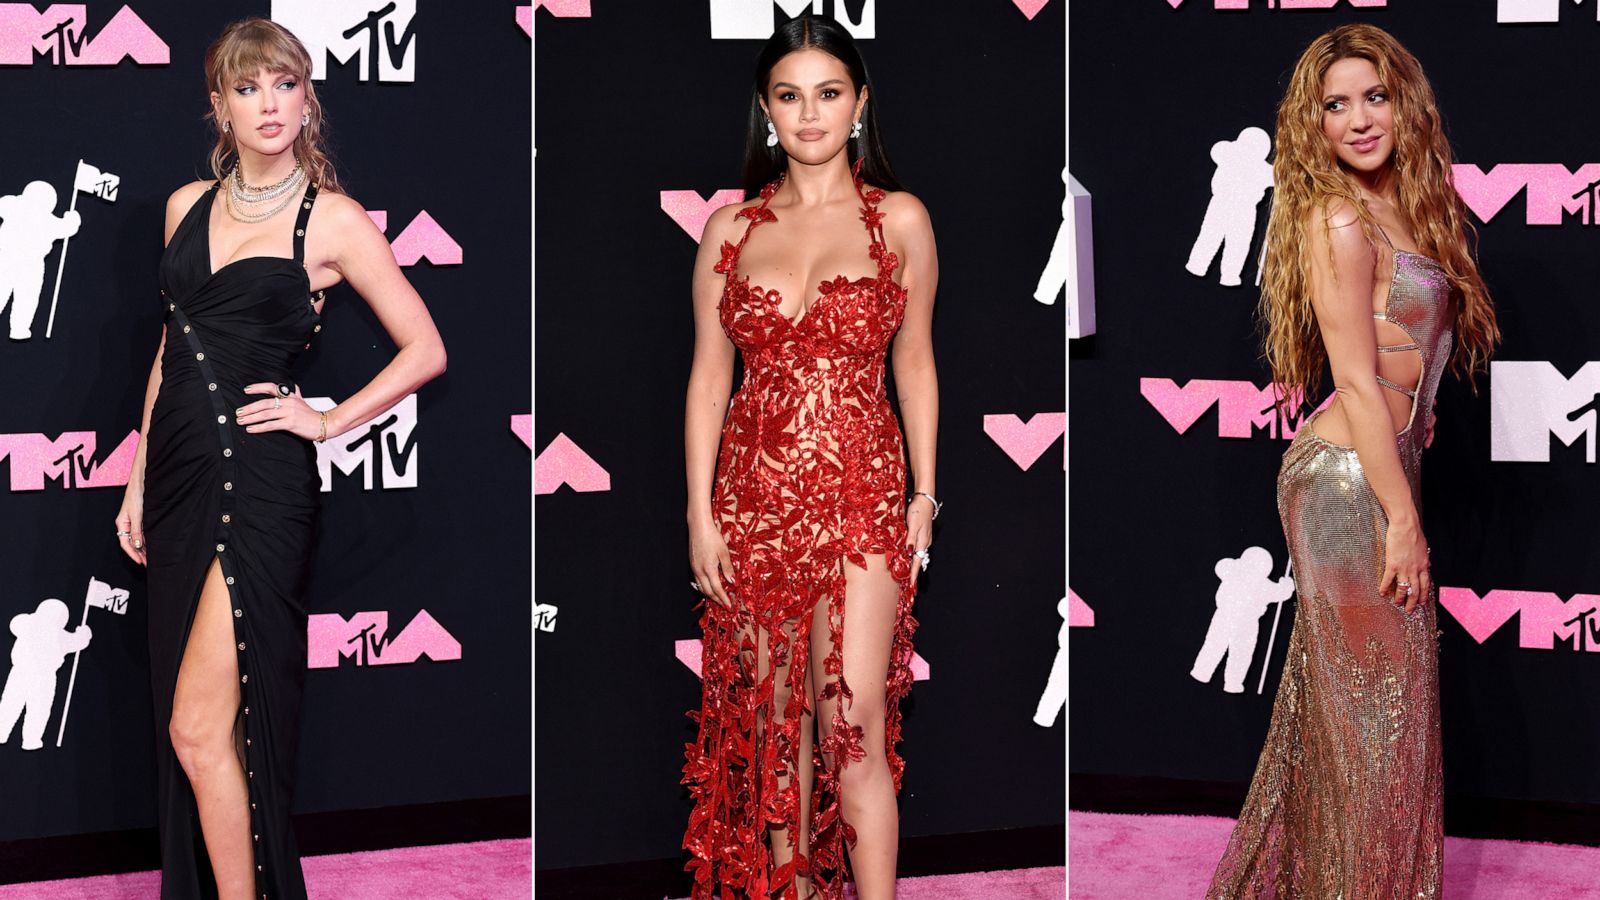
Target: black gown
{"type": "Point", "coordinates": [250, 501]}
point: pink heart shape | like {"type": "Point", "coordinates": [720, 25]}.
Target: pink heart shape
{"type": "Point", "coordinates": [1025, 442]}
{"type": "Point", "coordinates": [691, 212]}
{"type": "Point", "coordinates": [1030, 8]}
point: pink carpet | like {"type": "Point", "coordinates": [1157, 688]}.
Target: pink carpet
{"type": "Point", "coordinates": [1012, 884]}
{"type": "Point", "coordinates": [486, 870]}
{"type": "Point", "coordinates": [1119, 857]}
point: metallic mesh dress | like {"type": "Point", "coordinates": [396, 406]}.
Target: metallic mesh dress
{"type": "Point", "coordinates": [811, 474]}
{"type": "Point", "coordinates": [1346, 798]}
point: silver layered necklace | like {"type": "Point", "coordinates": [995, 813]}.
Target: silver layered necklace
{"type": "Point", "coordinates": [249, 203]}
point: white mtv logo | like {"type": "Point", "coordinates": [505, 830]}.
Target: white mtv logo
{"type": "Point", "coordinates": [755, 19]}
{"type": "Point", "coordinates": [382, 39]}
{"type": "Point", "coordinates": [383, 445]}
{"type": "Point", "coordinates": [1510, 12]}
{"type": "Point", "coordinates": [1529, 401]}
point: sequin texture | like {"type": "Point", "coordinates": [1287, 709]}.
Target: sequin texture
{"type": "Point", "coordinates": [1346, 800]}
{"type": "Point", "coordinates": [810, 474]}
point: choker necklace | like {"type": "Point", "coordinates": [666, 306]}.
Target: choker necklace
{"type": "Point", "coordinates": [245, 201]}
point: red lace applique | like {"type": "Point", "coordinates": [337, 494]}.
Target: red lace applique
{"type": "Point", "coordinates": [810, 474]}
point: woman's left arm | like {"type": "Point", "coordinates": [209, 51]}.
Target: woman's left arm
{"type": "Point", "coordinates": [910, 233]}
{"type": "Point", "coordinates": [362, 257]}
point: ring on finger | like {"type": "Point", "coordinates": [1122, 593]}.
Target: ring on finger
{"type": "Point", "coordinates": [277, 402]}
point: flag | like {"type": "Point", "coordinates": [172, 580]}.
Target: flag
{"type": "Point", "coordinates": [107, 597]}
{"type": "Point", "coordinates": [91, 180]}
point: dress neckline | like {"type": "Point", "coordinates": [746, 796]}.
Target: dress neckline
{"type": "Point", "coordinates": [211, 202]}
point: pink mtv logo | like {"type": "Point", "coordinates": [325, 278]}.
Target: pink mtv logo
{"type": "Point", "coordinates": [565, 9]}
{"type": "Point", "coordinates": [562, 462]}
{"type": "Point", "coordinates": [422, 238]}
{"type": "Point", "coordinates": [1242, 408]}
{"type": "Point", "coordinates": [689, 211]}
{"type": "Point", "coordinates": [363, 637]}
{"type": "Point", "coordinates": [525, 20]}
{"type": "Point", "coordinates": [60, 33]}
{"type": "Point", "coordinates": [1288, 4]}
{"type": "Point", "coordinates": [1030, 8]}
{"type": "Point", "coordinates": [1025, 442]}
{"type": "Point", "coordinates": [690, 653]}
{"type": "Point", "coordinates": [1543, 618]}
{"type": "Point", "coordinates": [1552, 190]}
{"type": "Point", "coordinates": [1079, 615]}
{"type": "Point", "coordinates": [522, 427]}
{"type": "Point", "coordinates": [68, 460]}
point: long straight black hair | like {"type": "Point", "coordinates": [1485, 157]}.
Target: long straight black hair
{"type": "Point", "coordinates": [763, 163]}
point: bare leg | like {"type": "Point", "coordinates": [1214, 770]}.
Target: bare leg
{"type": "Point", "coordinates": [866, 787]}
{"type": "Point", "coordinates": [205, 708]}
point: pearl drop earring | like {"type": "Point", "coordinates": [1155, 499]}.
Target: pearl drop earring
{"type": "Point", "coordinates": [772, 134]}
{"type": "Point", "coordinates": [855, 130]}
{"type": "Point", "coordinates": [305, 118]}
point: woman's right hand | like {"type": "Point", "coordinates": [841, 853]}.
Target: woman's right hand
{"type": "Point", "coordinates": [1405, 563]}
{"type": "Point", "coordinates": [130, 519]}
{"type": "Point", "coordinates": [711, 562]}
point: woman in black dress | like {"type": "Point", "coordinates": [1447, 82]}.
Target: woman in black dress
{"type": "Point", "coordinates": [223, 496]}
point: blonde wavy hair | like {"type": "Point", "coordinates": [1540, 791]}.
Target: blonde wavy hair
{"type": "Point", "coordinates": [1308, 180]}
{"type": "Point", "coordinates": [246, 47]}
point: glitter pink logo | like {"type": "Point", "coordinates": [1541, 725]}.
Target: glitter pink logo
{"type": "Point", "coordinates": [1543, 619]}
{"type": "Point", "coordinates": [1026, 441]}
{"type": "Point", "coordinates": [68, 461]}
{"type": "Point", "coordinates": [1079, 613]}
{"type": "Point", "coordinates": [690, 653]}
{"type": "Point", "coordinates": [364, 638]}
{"type": "Point", "coordinates": [1553, 190]}
{"type": "Point", "coordinates": [1242, 408]}
{"type": "Point", "coordinates": [522, 427]}
{"type": "Point", "coordinates": [1508, 12]}
{"type": "Point", "coordinates": [422, 239]}
{"type": "Point", "coordinates": [562, 462]}
{"type": "Point", "coordinates": [691, 212]}
{"type": "Point", "coordinates": [60, 34]}
{"type": "Point", "coordinates": [1288, 4]}
{"type": "Point", "coordinates": [564, 9]}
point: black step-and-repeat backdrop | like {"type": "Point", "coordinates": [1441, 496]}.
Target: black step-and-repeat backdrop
{"type": "Point", "coordinates": [641, 110]}
{"type": "Point", "coordinates": [1176, 552]}
{"type": "Point", "coordinates": [418, 689]}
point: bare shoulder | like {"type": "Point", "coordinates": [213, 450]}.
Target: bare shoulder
{"type": "Point", "coordinates": [179, 201]}
{"type": "Point", "coordinates": [339, 212]}
{"type": "Point", "coordinates": [723, 223]}
{"type": "Point", "coordinates": [903, 213]}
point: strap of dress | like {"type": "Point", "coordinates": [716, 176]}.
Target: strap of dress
{"type": "Point", "coordinates": [300, 223]}
{"type": "Point", "coordinates": [1383, 234]}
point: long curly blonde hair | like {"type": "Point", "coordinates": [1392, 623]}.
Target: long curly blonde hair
{"type": "Point", "coordinates": [1308, 180]}
{"type": "Point", "coordinates": [246, 47]}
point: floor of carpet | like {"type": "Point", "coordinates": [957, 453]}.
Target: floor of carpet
{"type": "Point", "coordinates": [484, 870]}
{"type": "Point", "coordinates": [1130, 857]}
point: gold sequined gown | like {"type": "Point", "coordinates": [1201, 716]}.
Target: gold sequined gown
{"type": "Point", "coordinates": [1345, 803]}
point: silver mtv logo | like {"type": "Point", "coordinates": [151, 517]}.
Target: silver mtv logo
{"type": "Point", "coordinates": [381, 38]}
{"type": "Point", "coordinates": [383, 449]}
{"type": "Point", "coordinates": [1529, 401]}
{"type": "Point", "coordinates": [755, 19]}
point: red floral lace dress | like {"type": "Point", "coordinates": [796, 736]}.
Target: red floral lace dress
{"type": "Point", "coordinates": [811, 473]}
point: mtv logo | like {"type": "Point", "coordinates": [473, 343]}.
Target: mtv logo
{"type": "Point", "coordinates": [381, 40]}
{"type": "Point", "coordinates": [364, 638]}
{"type": "Point", "coordinates": [1242, 408]}
{"type": "Point", "coordinates": [60, 33]}
{"type": "Point", "coordinates": [1553, 190]}
{"type": "Point", "coordinates": [383, 449]}
{"type": "Point", "coordinates": [1544, 619]}
{"type": "Point", "coordinates": [544, 616]}
{"type": "Point", "coordinates": [755, 20]}
{"type": "Point", "coordinates": [1529, 401]}
{"type": "Point", "coordinates": [68, 460]}
{"type": "Point", "coordinates": [1517, 12]}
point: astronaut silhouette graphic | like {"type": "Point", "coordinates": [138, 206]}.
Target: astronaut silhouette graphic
{"type": "Point", "coordinates": [1246, 591]}
{"type": "Point", "coordinates": [43, 643]}
{"type": "Point", "coordinates": [28, 228]}
{"type": "Point", "coordinates": [1054, 697]}
{"type": "Point", "coordinates": [1242, 178]}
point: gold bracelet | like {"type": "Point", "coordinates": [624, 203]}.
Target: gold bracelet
{"type": "Point", "coordinates": [322, 432]}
